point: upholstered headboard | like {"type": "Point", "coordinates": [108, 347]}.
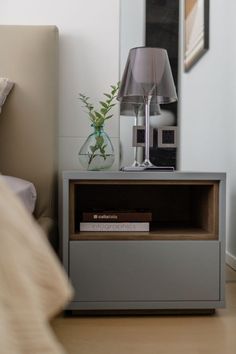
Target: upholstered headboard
{"type": "Point", "coordinates": [28, 122]}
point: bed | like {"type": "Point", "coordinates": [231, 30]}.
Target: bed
{"type": "Point", "coordinates": [34, 286]}
{"type": "Point", "coordinates": [28, 122]}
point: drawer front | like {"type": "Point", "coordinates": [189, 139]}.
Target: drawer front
{"type": "Point", "coordinates": [145, 270]}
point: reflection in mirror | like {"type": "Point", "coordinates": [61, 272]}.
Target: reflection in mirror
{"type": "Point", "coordinates": [154, 24]}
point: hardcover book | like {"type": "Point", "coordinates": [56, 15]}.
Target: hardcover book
{"type": "Point", "coordinates": [117, 216]}
{"type": "Point", "coordinates": [114, 226]}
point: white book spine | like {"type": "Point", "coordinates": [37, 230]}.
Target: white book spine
{"type": "Point", "coordinates": [114, 226]}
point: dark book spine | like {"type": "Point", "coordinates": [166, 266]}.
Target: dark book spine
{"type": "Point", "coordinates": [117, 216]}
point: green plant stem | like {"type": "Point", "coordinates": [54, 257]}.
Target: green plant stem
{"type": "Point", "coordinates": [98, 117]}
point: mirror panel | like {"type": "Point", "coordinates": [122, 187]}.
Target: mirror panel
{"type": "Point", "coordinates": [153, 23]}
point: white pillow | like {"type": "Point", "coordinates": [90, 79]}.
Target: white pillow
{"type": "Point", "coordinates": [5, 88]}
{"type": "Point", "coordinates": [25, 191]}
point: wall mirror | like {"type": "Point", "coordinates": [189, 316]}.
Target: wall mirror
{"type": "Point", "coordinates": [153, 23]}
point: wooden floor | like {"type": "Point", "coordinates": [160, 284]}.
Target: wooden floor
{"type": "Point", "coordinates": [215, 334]}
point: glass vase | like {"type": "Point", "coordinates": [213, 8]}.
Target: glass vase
{"type": "Point", "coordinates": [97, 153]}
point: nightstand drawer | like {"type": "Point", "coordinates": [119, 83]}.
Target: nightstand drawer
{"type": "Point", "coordinates": [145, 270]}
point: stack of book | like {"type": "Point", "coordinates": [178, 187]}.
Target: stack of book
{"type": "Point", "coordinates": [120, 220]}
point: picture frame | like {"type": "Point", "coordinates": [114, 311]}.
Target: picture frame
{"type": "Point", "coordinates": [139, 136]}
{"type": "Point", "coordinates": [167, 137]}
{"type": "Point", "coordinates": [196, 31]}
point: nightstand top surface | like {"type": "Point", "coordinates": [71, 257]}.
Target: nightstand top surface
{"type": "Point", "coordinates": [149, 175]}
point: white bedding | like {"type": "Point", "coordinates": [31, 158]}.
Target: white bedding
{"type": "Point", "coordinates": [5, 88]}
{"type": "Point", "coordinates": [33, 285]}
{"type": "Point", "coordinates": [24, 190]}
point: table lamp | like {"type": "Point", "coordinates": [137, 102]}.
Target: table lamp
{"type": "Point", "coordinates": [147, 78]}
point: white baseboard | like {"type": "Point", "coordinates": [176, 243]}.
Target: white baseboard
{"type": "Point", "coordinates": [231, 260]}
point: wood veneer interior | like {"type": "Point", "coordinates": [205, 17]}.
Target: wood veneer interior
{"type": "Point", "coordinates": [181, 209]}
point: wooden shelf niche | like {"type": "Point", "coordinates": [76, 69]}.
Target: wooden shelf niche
{"type": "Point", "coordinates": [181, 210]}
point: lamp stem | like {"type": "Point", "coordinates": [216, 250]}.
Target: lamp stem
{"type": "Point", "coordinates": [136, 163]}
{"type": "Point", "coordinates": [136, 108]}
{"type": "Point", "coordinates": [147, 101]}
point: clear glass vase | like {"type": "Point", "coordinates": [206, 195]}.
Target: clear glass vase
{"type": "Point", "coordinates": [97, 153]}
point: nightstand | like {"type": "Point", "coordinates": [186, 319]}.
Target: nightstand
{"type": "Point", "coordinates": [177, 265]}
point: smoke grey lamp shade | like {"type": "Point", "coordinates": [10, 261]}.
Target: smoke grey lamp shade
{"type": "Point", "coordinates": [148, 80]}
{"type": "Point", "coordinates": [137, 109]}
{"type": "Point", "coordinates": [147, 73]}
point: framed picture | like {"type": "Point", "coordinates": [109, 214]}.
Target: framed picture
{"type": "Point", "coordinates": [167, 137]}
{"type": "Point", "coordinates": [196, 31]}
{"type": "Point", "coordinates": [139, 136]}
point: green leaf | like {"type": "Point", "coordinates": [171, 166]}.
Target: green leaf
{"type": "Point", "coordinates": [98, 114]}
{"type": "Point", "coordinates": [102, 149]}
{"type": "Point", "coordinates": [104, 104]}
{"type": "Point", "coordinates": [99, 122]}
{"type": "Point", "coordinates": [108, 117]}
{"type": "Point", "coordinates": [108, 109]}
{"type": "Point", "coordinates": [92, 116]}
{"type": "Point", "coordinates": [100, 140]}
{"type": "Point", "coordinates": [93, 148]}
{"type": "Point", "coordinates": [107, 95]}
{"type": "Point", "coordinates": [103, 111]}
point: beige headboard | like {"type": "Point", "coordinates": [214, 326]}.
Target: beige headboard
{"type": "Point", "coordinates": [28, 122]}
